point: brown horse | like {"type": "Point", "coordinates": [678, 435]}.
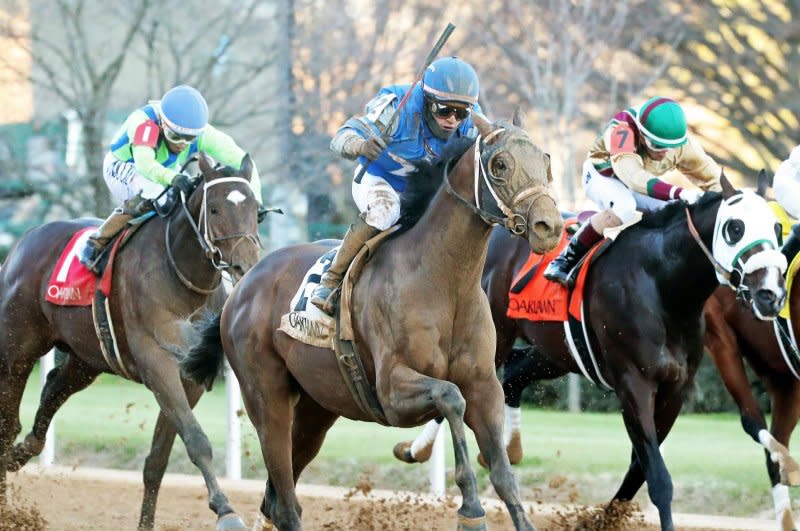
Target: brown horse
{"type": "Point", "coordinates": [421, 323]}
{"type": "Point", "coordinates": [643, 305]}
{"type": "Point", "coordinates": [732, 335]}
{"type": "Point", "coordinates": [161, 277]}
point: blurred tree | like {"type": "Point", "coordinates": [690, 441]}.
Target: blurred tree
{"type": "Point", "coordinates": [64, 59]}
{"type": "Point", "coordinates": [574, 63]}
{"type": "Point", "coordinates": [740, 64]}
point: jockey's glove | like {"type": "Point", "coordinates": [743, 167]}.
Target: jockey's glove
{"type": "Point", "coordinates": [372, 148]}
{"type": "Point", "coordinates": [690, 195]}
{"type": "Point", "coordinates": [183, 183]}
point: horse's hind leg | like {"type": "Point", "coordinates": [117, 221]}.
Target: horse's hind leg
{"type": "Point", "coordinates": [269, 400]}
{"type": "Point", "coordinates": [156, 462]}
{"type": "Point", "coordinates": [311, 423]}
{"type": "Point", "coordinates": [63, 381]}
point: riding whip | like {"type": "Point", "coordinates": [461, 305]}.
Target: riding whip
{"type": "Point", "coordinates": [428, 60]}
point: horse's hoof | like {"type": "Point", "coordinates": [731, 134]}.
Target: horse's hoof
{"type": "Point", "coordinates": [262, 523]}
{"type": "Point", "coordinates": [402, 451]}
{"type": "Point", "coordinates": [514, 448]}
{"type": "Point", "coordinates": [230, 522]}
{"type": "Point", "coordinates": [471, 524]}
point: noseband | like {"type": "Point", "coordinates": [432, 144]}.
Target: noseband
{"type": "Point", "coordinates": [206, 240]}
{"type": "Point", "coordinates": [485, 180]}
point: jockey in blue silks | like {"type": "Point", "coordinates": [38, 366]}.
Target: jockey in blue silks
{"type": "Point", "coordinates": [437, 109]}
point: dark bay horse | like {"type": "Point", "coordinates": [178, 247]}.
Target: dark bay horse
{"type": "Point", "coordinates": [161, 277]}
{"type": "Point", "coordinates": [421, 322]}
{"type": "Point", "coordinates": [644, 300]}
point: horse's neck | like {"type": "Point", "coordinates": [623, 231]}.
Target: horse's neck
{"type": "Point", "coordinates": [686, 274]}
{"type": "Point", "coordinates": [188, 252]}
{"type": "Point", "coordinates": [451, 237]}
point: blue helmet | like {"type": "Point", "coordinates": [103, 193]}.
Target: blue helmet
{"type": "Point", "coordinates": [451, 79]}
{"type": "Point", "coordinates": [184, 110]}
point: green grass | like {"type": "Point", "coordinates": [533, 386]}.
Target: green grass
{"type": "Point", "coordinates": [715, 467]}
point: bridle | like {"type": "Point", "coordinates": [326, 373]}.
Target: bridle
{"type": "Point", "coordinates": [740, 268]}
{"type": "Point", "coordinates": [206, 239]}
{"type": "Point", "coordinates": [497, 212]}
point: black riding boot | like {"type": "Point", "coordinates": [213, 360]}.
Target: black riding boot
{"type": "Point", "coordinates": [99, 239]}
{"type": "Point", "coordinates": [792, 244]}
{"type": "Point", "coordinates": [562, 265]}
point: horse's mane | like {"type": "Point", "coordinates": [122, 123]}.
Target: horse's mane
{"type": "Point", "coordinates": [426, 179]}
{"type": "Point", "coordinates": [673, 212]}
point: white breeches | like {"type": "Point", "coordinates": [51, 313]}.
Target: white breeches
{"type": "Point", "coordinates": [610, 192]}
{"type": "Point", "coordinates": [125, 181]}
{"type": "Point", "coordinates": [377, 200]}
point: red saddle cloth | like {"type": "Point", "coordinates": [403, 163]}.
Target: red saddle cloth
{"type": "Point", "coordinates": [71, 284]}
{"type": "Point", "coordinates": [535, 298]}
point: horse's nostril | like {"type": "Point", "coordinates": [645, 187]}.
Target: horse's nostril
{"type": "Point", "coordinates": [766, 296]}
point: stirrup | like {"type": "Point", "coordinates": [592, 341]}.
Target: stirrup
{"type": "Point", "coordinates": [91, 257]}
{"type": "Point", "coordinates": [326, 299]}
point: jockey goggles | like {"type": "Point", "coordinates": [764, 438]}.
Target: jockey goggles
{"type": "Point", "coordinates": [446, 111]}
{"type": "Point", "coordinates": [653, 147]}
{"type": "Point", "coordinates": [177, 138]}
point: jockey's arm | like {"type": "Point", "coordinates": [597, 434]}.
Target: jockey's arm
{"type": "Point", "coordinates": [787, 184]}
{"type": "Point", "coordinates": [351, 136]}
{"type": "Point", "coordinates": [698, 166]}
{"type": "Point", "coordinates": [629, 167]}
{"type": "Point", "coordinates": [144, 157]}
{"type": "Point", "coordinates": [225, 150]}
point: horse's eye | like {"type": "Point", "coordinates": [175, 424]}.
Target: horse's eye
{"type": "Point", "coordinates": [502, 166]}
{"type": "Point", "coordinates": [214, 210]}
{"type": "Point", "coordinates": [733, 231]}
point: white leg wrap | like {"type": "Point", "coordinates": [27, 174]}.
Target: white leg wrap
{"type": "Point", "coordinates": [782, 501]}
{"type": "Point", "coordinates": [512, 424]}
{"type": "Point", "coordinates": [771, 444]}
{"type": "Point", "coordinates": [425, 438]}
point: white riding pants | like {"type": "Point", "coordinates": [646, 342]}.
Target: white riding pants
{"type": "Point", "coordinates": [610, 192]}
{"type": "Point", "coordinates": [125, 181]}
{"type": "Point", "coordinates": [376, 198]}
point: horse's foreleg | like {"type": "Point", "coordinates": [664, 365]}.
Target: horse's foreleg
{"type": "Point", "coordinates": [162, 378]}
{"type": "Point", "coordinates": [420, 449]}
{"type": "Point", "coordinates": [410, 395]}
{"type": "Point", "coordinates": [63, 381]}
{"type": "Point", "coordinates": [638, 398]}
{"type": "Point", "coordinates": [484, 416]}
{"type": "Point", "coordinates": [156, 462]}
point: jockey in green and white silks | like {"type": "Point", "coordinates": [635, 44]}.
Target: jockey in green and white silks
{"type": "Point", "coordinates": [437, 109]}
{"type": "Point", "coordinates": [622, 173]}
{"type": "Point", "coordinates": [147, 151]}
{"type": "Point", "coordinates": [786, 186]}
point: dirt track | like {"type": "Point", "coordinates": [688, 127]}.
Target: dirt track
{"type": "Point", "coordinates": [82, 499]}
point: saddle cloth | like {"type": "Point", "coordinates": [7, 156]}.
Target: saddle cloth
{"type": "Point", "coordinates": [71, 284]}
{"type": "Point", "coordinates": [305, 322]}
{"type": "Point", "coordinates": [535, 298]}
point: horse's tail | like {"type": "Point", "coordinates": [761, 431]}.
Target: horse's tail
{"type": "Point", "coordinates": [204, 361]}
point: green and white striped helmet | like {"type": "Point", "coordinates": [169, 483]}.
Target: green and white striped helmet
{"type": "Point", "coordinates": [662, 122]}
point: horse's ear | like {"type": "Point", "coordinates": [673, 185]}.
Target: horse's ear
{"type": "Point", "coordinates": [206, 164]}
{"type": "Point", "coordinates": [482, 123]}
{"type": "Point", "coordinates": [518, 119]}
{"type": "Point", "coordinates": [247, 167]}
{"type": "Point", "coordinates": [763, 183]}
{"type": "Point", "coordinates": [549, 168]}
{"type": "Point", "coordinates": [727, 188]}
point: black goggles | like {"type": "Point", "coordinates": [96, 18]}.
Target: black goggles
{"type": "Point", "coordinates": [446, 111]}
{"type": "Point", "coordinates": [177, 138]}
